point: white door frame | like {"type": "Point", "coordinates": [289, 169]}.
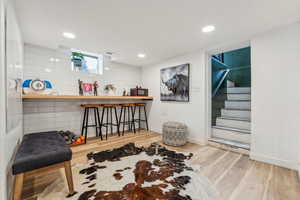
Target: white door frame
{"type": "Point", "coordinates": [208, 55]}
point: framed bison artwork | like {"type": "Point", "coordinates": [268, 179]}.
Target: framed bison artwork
{"type": "Point", "coordinates": [174, 83]}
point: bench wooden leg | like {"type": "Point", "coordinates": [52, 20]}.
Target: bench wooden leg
{"type": "Point", "coordinates": [69, 176]}
{"type": "Point", "coordinates": [18, 186]}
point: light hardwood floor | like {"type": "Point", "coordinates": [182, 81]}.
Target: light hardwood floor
{"type": "Point", "coordinates": [235, 176]}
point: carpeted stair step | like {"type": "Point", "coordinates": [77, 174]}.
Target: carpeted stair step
{"type": "Point", "coordinates": [238, 90]}
{"type": "Point", "coordinates": [230, 143]}
{"type": "Point", "coordinates": [233, 134]}
{"type": "Point", "coordinates": [237, 123]}
{"type": "Point", "coordinates": [239, 96]}
{"type": "Point", "coordinates": [236, 113]}
{"type": "Point", "coordinates": [235, 104]}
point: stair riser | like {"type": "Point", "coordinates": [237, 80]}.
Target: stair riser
{"type": "Point", "coordinates": [238, 105]}
{"type": "Point", "coordinates": [234, 124]}
{"type": "Point", "coordinates": [230, 84]}
{"type": "Point", "coordinates": [244, 114]}
{"type": "Point", "coordinates": [237, 90]}
{"type": "Point", "coordinates": [246, 97]}
{"type": "Point", "coordinates": [231, 135]}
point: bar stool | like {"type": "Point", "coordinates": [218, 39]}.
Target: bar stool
{"type": "Point", "coordinates": [130, 117]}
{"type": "Point", "coordinates": [108, 108]}
{"type": "Point", "coordinates": [85, 123]}
{"type": "Point", "coordinates": [139, 120]}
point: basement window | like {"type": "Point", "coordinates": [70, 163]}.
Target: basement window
{"type": "Point", "coordinates": [87, 62]}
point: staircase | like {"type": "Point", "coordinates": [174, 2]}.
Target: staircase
{"type": "Point", "coordinates": [233, 127]}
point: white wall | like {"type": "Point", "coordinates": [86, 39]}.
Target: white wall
{"type": "Point", "coordinates": [191, 113]}
{"type": "Point", "coordinates": [13, 70]}
{"type": "Point", "coordinates": [67, 114]}
{"type": "Point", "coordinates": [276, 96]}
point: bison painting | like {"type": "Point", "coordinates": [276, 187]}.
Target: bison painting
{"type": "Point", "coordinates": [175, 83]}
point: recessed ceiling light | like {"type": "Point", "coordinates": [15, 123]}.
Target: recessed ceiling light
{"type": "Point", "coordinates": [54, 60]}
{"type": "Point", "coordinates": [107, 68]}
{"type": "Point", "coordinates": [69, 35]}
{"type": "Point", "coordinates": [141, 55]}
{"type": "Point", "coordinates": [207, 29]}
{"type": "Point", "coordinates": [48, 70]}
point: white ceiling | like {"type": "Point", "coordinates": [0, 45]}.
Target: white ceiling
{"type": "Point", "coordinates": [159, 28]}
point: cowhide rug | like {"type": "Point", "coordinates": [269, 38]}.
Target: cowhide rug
{"type": "Point", "coordinates": [134, 173]}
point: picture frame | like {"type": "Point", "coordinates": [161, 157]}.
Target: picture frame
{"type": "Point", "coordinates": [174, 83]}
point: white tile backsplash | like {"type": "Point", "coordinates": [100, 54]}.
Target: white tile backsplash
{"type": "Point", "coordinates": [48, 115]}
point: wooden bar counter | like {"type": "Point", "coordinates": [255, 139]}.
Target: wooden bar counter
{"type": "Point", "coordinates": [41, 96]}
{"type": "Point", "coordinates": [44, 113]}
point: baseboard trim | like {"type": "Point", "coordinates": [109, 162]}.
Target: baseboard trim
{"type": "Point", "coordinates": [195, 141]}
{"type": "Point", "coordinates": [275, 161]}
{"type": "Point", "coordinates": [191, 140]}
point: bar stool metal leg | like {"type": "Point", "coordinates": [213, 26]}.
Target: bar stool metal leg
{"type": "Point", "coordinates": [132, 121]}
{"type": "Point", "coordinates": [96, 121]}
{"type": "Point", "coordinates": [120, 118]}
{"type": "Point", "coordinates": [86, 124]}
{"type": "Point", "coordinates": [102, 116]}
{"type": "Point", "coordinates": [146, 120]}
{"type": "Point", "coordinates": [106, 122]}
{"type": "Point", "coordinates": [100, 124]}
{"type": "Point", "coordinates": [139, 117]}
{"type": "Point", "coordinates": [83, 122]}
{"type": "Point", "coordinates": [118, 131]}
{"type": "Point", "coordinates": [111, 121]}
{"type": "Point", "coordinates": [128, 114]}
{"type": "Point", "coordinates": [124, 117]}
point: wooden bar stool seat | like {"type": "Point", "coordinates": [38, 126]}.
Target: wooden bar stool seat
{"type": "Point", "coordinates": [109, 105]}
{"type": "Point", "coordinates": [127, 104]}
{"type": "Point", "coordinates": [85, 123]}
{"type": "Point", "coordinates": [139, 119]}
{"type": "Point", "coordinates": [108, 109]}
{"type": "Point", "coordinates": [90, 105]}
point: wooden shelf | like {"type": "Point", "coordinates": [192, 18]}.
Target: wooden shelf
{"type": "Point", "coordinates": [43, 96]}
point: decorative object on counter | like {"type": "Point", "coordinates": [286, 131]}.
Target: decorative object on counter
{"type": "Point", "coordinates": [80, 87]}
{"type": "Point", "coordinates": [87, 89]}
{"type": "Point", "coordinates": [37, 86]}
{"type": "Point", "coordinates": [110, 89]}
{"type": "Point", "coordinates": [96, 86]}
{"type": "Point", "coordinates": [174, 84]}
{"type": "Point", "coordinates": [138, 91]}
{"type": "Point", "coordinates": [124, 92]}
{"type": "Point", "coordinates": [174, 133]}
{"type": "Point", "coordinates": [71, 138]}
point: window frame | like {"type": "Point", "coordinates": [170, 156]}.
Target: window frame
{"type": "Point", "coordinates": [99, 57]}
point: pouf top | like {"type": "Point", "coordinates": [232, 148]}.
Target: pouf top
{"type": "Point", "coordinates": [174, 124]}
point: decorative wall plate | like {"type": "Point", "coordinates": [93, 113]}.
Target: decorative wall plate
{"type": "Point", "coordinates": [37, 85]}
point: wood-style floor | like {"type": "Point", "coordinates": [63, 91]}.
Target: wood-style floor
{"type": "Point", "coordinates": [235, 176]}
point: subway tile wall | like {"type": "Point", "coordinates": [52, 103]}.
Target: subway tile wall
{"type": "Point", "coordinates": [48, 115]}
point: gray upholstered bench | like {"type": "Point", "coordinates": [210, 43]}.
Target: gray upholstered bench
{"type": "Point", "coordinates": [39, 150]}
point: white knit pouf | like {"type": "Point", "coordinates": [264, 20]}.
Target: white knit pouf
{"type": "Point", "coordinates": [174, 133]}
